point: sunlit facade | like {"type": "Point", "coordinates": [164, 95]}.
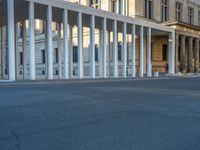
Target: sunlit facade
{"type": "Point", "coordinates": [90, 39]}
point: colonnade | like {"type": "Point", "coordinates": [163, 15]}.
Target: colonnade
{"type": "Point", "coordinates": [67, 37]}
{"type": "Point", "coordinates": [187, 57]}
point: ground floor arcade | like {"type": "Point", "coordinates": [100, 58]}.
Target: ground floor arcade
{"type": "Point", "coordinates": [89, 43]}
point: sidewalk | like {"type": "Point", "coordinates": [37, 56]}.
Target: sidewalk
{"type": "Point", "coordinates": [189, 75]}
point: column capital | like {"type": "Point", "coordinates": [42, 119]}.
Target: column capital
{"type": "Point", "coordinates": [197, 40]}
{"type": "Point", "coordinates": [190, 38]}
{"type": "Point", "coordinates": [182, 36]}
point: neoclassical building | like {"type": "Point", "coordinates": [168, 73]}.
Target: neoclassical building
{"type": "Point", "coordinates": [65, 39]}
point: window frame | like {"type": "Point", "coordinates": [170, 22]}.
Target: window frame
{"type": "Point", "coordinates": [119, 51]}
{"type": "Point", "coordinates": [75, 54]}
{"type": "Point", "coordinates": [164, 10]}
{"type": "Point", "coordinates": [164, 52]}
{"type": "Point", "coordinates": [148, 10]}
{"type": "Point", "coordinates": [190, 15]}
{"type": "Point", "coordinates": [43, 60]}
{"type": "Point", "coordinates": [20, 58]}
{"type": "Point", "coordinates": [179, 11]}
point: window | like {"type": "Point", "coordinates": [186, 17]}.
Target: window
{"type": "Point", "coordinates": [21, 58]}
{"type": "Point", "coordinates": [43, 56]}
{"type": "Point", "coordinates": [75, 54]}
{"type": "Point", "coordinates": [119, 6]}
{"type": "Point", "coordinates": [179, 54]}
{"type": "Point", "coordinates": [20, 30]}
{"type": "Point", "coordinates": [148, 9]}
{"type": "Point", "coordinates": [199, 56]}
{"type": "Point", "coordinates": [56, 55]}
{"type": "Point", "coordinates": [91, 3]}
{"type": "Point", "coordinates": [120, 51]}
{"type": "Point", "coordinates": [152, 52]}
{"type": "Point", "coordinates": [190, 15]}
{"type": "Point", "coordinates": [96, 53]}
{"type": "Point", "coordinates": [114, 6]}
{"type": "Point", "coordinates": [178, 11]}
{"type": "Point", "coordinates": [94, 3]}
{"type": "Point", "coordinates": [199, 17]}
{"type": "Point", "coordinates": [6, 59]}
{"type": "Point", "coordinates": [164, 52]}
{"type": "Point", "coordinates": [165, 10]}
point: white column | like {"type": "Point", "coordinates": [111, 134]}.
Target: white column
{"type": "Point", "coordinates": [24, 49]}
{"type": "Point", "coordinates": [80, 46]}
{"type": "Point", "coordinates": [16, 51]}
{"type": "Point", "coordinates": [100, 64]}
{"type": "Point", "coordinates": [65, 44]}
{"type": "Point", "coordinates": [141, 51]}
{"type": "Point", "coordinates": [46, 53]}
{"type": "Point", "coordinates": [49, 41]}
{"type": "Point", "coordinates": [92, 46]}
{"type": "Point", "coordinates": [109, 50]}
{"type": "Point", "coordinates": [11, 39]}
{"type": "Point", "coordinates": [70, 51]}
{"type": "Point", "coordinates": [104, 47]}
{"type": "Point", "coordinates": [3, 60]}
{"type": "Point", "coordinates": [171, 53]}
{"type": "Point", "coordinates": [59, 51]}
{"type": "Point", "coordinates": [124, 51]}
{"type": "Point", "coordinates": [133, 51]}
{"type": "Point", "coordinates": [32, 41]}
{"type": "Point", "coordinates": [115, 47]}
{"type": "Point", "coordinates": [149, 65]}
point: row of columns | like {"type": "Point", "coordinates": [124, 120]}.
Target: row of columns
{"type": "Point", "coordinates": [92, 46]}
{"type": "Point", "coordinates": [67, 32]}
{"type": "Point", "coordinates": [193, 44]}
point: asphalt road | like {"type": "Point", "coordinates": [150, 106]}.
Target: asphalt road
{"type": "Point", "coordinates": [100, 115]}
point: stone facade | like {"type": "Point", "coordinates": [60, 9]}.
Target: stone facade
{"type": "Point", "coordinates": [134, 9]}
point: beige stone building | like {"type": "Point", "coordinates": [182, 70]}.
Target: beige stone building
{"type": "Point", "coordinates": [165, 38]}
{"type": "Point", "coordinates": [183, 15]}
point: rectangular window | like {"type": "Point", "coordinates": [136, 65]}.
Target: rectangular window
{"type": "Point", "coordinates": [120, 51]}
{"type": "Point", "coordinates": [56, 55]}
{"type": "Point", "coordinates": [119, 6]}
{"type": "Point", "coordinates": [178, 11]}
{"type": "Point", "coordinates": [21, 58]}
{"type": "Point", "coordinates": [114, 4]}
{"type": "Point", "coordinates": [199, 17]}
{"type": "Point", "coordinates": [96, 53]}
{"type": "Point", "coordinates": [6, 59]}
{"type": "Point", "coordinates": [152, 52]}
{"type": "Point", "coordinates": [75, 54]}
{"type": "Point", "coordinates": [199, 56]}
{"type": "Point", "coordinates": [148, 9]}
{"type": "Point", "coordinates": [20, 30]}
{"type": "Point", "coordinates": [164, 52]}
{"type": "Point", "coordinates": [190, 15]}
{"type": "Point", "coordinates": [165, 10]}
{"type": "Point", "coordinates": [91, 3]}
{"type": "Point", "coordinates": [94, 3]}
{"type": "Point", "coordinates": [43, 56]}
{"type": "Point", "coordinates": [179, 54]}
